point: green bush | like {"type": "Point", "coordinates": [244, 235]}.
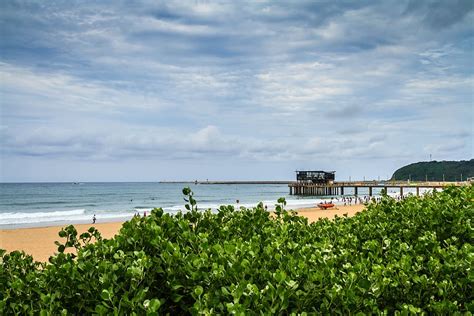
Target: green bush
{"type": "Point", "coordinates": [411, 256]}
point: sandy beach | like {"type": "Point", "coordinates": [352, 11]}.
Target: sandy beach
{"type": "Point", "coordinates": [39, 241]}
{"type": "Point", "coordinates": [314, 213]}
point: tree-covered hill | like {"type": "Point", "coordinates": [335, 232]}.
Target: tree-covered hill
{"type": "Point", "coordinates": [436, 170]}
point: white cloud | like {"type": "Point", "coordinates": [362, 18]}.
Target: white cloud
{"type": "Point", "coordinates": [37, 89]}
{"type": "Point", "coordinates": [432, 85]}
{"type": "Point", "coordinates": [298, 86]}
{"type": "Point", "coordinates": [152, 25]}
{"type": "Point", "coordinates": [452, 145]}
{"type": "Point", "coordinates": [291, 83]}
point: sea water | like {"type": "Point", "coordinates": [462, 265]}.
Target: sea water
{"type": "Point", "coordinates": [43, 204]}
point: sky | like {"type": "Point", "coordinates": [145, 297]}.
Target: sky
{"type": "Point", "coordinates": [232, 90]}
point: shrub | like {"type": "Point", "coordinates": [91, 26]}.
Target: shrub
{"type": "Point", "coordinates": [410, 256]}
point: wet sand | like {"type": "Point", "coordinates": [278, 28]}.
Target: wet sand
{"type": "Point", "coordinates": [39, 241]}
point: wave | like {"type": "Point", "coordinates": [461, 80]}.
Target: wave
{"type": "Point", "coordinates": [41, 214]}
{"type": "Point", "coordinates": [35, 203]}
{"type": "Point", "coordinates": [291, 203]}
{"type": "Point", "coordinates": [81, 215]}
{"type": "Point", "coordinates": [70, 216]}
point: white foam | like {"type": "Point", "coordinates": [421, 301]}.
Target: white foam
{"type": "Point", "coordinates": [71, 216]}
{"type": "Point", "coordinates": [85, 216]}
{"type": "Point", "coordinates": [300, 203]}
{"type": "Point", "coordinates": [38, 215]}
{"type": "Point", "coordinates": [142, 209]}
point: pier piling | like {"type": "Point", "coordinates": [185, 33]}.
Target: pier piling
{"type": "Point", "coordinates": [337, 188]}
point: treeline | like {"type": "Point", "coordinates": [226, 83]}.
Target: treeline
{"type": "Point", "coordinates": [436, 171]}
{"type": "Point", "coordinates": [410, 257]}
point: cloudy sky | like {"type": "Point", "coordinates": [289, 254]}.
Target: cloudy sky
{"type": "Point", "coordinates": [231, 89]}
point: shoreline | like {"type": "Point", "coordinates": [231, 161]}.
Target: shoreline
{"type": "Point", "coordinates": [39, 241]}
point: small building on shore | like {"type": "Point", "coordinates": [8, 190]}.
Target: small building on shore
{"type": "Point", "coordinates": [318, 177]}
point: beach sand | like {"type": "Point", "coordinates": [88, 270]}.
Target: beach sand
{"type": "Point", "coordinates": [314, 213]}
{"type": "Point", "coordinates": [39, 241]}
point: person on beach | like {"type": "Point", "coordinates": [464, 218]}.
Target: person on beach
{"type": "Point", "coordinates": [93, 219]}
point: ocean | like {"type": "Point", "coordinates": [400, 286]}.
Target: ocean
{"type": "Point", "coordinates": [45, 204]}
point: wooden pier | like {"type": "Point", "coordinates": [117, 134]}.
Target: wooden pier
{"type": "Point", "coordinates": [339, 187]}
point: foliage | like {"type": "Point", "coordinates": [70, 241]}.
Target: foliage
{"type": "Point", "coordinates": [411, 256]}
{"type": "Point", "coordinates": [435, 170]}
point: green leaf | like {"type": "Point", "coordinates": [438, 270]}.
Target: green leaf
{"type": "Point", "coordinates": [176, 297]}
{"type": "Point", "coordinates": [85, 235]}
{"type": "Point", "coordinates": [292, 284]}
{"type": "Point", "coordinates": [158, 212]}
{"type": "Point", "coordinates": [176, 286]}
{"type": "Point", "coordinates": [225, 290]}
{"type": "Point", "coordinates": [101, 310]}
{"type": "Point", "coordinates": [154, 305]}
{"type": "Point", "coordinates": [198, 290]}
{"type": "Point", "coordinates": [282, 200]}
{"type": "Point", "coordinates": [105, 295]}
{"type": "Point", "coordinates": [365, 284]}
{"type": "Point", "coordinates": [280, 276]}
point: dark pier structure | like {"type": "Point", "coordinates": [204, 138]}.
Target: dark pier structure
{"type": "Point", "coordinates": [322, 183]}
{"type": "Point", "coordinates": [314, 183]}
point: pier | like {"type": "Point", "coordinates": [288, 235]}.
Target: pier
{"type": "Point", "coordinates": [339, 187]}
{"type": "Point", "coordinates": [230, 182]}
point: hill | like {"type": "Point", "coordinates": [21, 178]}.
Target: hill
{"type": "Point", "coordinates": [436, 171]}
